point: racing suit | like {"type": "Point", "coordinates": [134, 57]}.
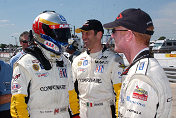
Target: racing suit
{"type": "Point", "coordinates": [97, 74]}
{"type": "Point", "coordinates": [49, 90]}
{"type": "Point", "coordinates": [145, 92]}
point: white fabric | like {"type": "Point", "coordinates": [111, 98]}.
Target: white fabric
{"type": "Point", "coordinates": [145, 92]}
{"type": "Point", "coordinates": [96, 73]}
{"type": "Point", "coordinates": [48, 88]}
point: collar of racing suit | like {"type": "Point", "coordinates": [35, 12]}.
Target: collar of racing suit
{"type": "Point", "coordinates": [37, 53]}
{"type": "Point", "coordinates": [142, 55]}
{"type": "Point", "coordinates": [88, 51]}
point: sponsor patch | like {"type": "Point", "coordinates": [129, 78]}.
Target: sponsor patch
{"type": "Point", "coordinates": [41, 66]}
{"type": "Point", "coordinates": [35, 61]}
{"type": "Point", "coordinates": [62, 72]}
{"type": "Point", "coordinates": [79, 63]}
{"type": "Point", "coordinates": [141, 66]}
{"type": "Point", "coordinates": [135, 102]}
{"type": "Point", "coordinates": [99, 69]}
{"type": "Point", "coordinates": [15, 77]}
{"type": "Point", "coordinates": [15, 86]}
{"type": "Point", "coordinates": [53, 87]}
{"type": "Point", "coordinates": [42, 74]}
{"type": "Point", "coordinates": [35, 67]}
{"type": "Point", "coordinates": [85, 62]}
{"type": "Point", "coordinates": [140, 93]}
{"type": "Point", "coordinates": [101, 62]}
{"type": "Point", "coordinates": [134, 111]}
{"type": "Point", "coordinates": [82, 58]}
{"type": "Point", "coordinates": [95, 80]}
{"type": "Point", "coordinates": [51, 45]}
{"type": "Point", "coordinates": [82, 69]}
{"type": "Point", "coordinates": [122, 65]}
{"type": "Point", "coordinates": [56, 111]}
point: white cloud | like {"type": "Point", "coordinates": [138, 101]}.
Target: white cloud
{"type": "Point", "coordinates": [6, 25]}
{"type": "Point", "coordinates": [4, 21]}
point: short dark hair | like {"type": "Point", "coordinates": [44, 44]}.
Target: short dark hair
{"type": "Point", "coordinates": [22, 34]}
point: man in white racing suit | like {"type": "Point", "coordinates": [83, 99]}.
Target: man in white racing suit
{"type": "Point", "coordinates": [43, 74]}
{"type": "Point", "coordinates": [145, 92]}
{"type": "Point", "coordinates": [97, 71]}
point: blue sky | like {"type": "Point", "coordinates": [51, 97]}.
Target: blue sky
{"type": "Point", "coordinates": [17, 16]}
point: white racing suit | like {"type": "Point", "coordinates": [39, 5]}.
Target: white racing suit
{"type": "Point", "coordinates": [97, 74]}
{"type": "Point", "coordinates": [49, 91]}
{"type": "Point", "coordinates": [145, 92]}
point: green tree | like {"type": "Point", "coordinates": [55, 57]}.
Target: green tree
{"type": "Point", "coordinates": [2, 46]}
{"type": "Point", "coordinates": [162, 38]}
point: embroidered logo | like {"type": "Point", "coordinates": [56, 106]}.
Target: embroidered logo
{"type": "Point", "coordinates": [140, 93]}
{"type": "Point", "coordinates": [35, 67]}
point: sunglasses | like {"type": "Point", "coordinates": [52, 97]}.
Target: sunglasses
{"type": "Point", "coordinates": [24, 41]}
{"type": "Point", "coordinates": [114, 30]}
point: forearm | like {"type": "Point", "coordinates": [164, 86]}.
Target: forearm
{"type": "Point", "coordinates": [5, 98]}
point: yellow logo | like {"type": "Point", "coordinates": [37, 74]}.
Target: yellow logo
{"type": "Point", "coordinates": [35, 67]}
{"type": "Point", "coordinates": [79, 63]}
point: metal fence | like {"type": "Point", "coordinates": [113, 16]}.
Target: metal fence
{"type": "Point", "coordinates": [171, 73]}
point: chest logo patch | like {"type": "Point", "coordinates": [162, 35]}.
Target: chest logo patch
{"type": "Point", "coordinates": [35, 67]}
{"type": "Point", "coordinates": [140, 93]}
{"type": "Point", "coordinates": [79, 63]}
{"type": "Point", "coordinates": [63, 73]}
{"type": "Point", "coordinates": [99, 69]}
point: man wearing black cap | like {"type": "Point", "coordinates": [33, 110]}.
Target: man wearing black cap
{"type": "Point", "coordinates": [145, 92]}
{"type": "Point", "coordinates": [98, 73]}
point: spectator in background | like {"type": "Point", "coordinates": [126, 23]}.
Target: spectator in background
{"type": "Point", "coordinates": [5, 91]}
{"type": "Point", "coordinates": [24, 43]}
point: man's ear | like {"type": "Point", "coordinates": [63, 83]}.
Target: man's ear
{"type": "Point", "coordinates": [99, 34]}
{"type": "Point", "coordinates": [129, 35]}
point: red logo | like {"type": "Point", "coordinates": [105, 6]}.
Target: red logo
{"type": "Point", "coordinates": [16, 77]}
{"type": "Point", "coordinates": [140, 93]}
{"type": "Point", "coordinates": [56, 111]}
{"type": "Point", "coordinates": [120, 16]}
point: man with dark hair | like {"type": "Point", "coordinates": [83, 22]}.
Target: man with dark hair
{"type": "Point", "coordinates": [97, 73]}
{"type": "Point", "coordinates": [145, 92]}
{"type": "Point", "coordinates": [24, 42]}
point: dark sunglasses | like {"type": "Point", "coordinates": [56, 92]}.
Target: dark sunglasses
{"type": "Point", "coordinates": [24, 41]}
{"type": "Point", "coordinates": [114, 30]}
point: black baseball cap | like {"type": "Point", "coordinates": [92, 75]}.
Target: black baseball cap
{"type": "Point", "coordinates": [132, 19]}
{"type": "Point", "coordinates": [91, 24]}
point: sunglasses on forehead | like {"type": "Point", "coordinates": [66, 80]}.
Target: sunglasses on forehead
{"type": "Point", "coordinates": [114, 30]}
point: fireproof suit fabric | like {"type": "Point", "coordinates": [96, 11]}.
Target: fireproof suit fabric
{"type": "Point", "coordinates": [50, 90]}
{"type": "Point", "coordinates": [96, 74]}
{"type": "Point", "coordinates": [145, 92]}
